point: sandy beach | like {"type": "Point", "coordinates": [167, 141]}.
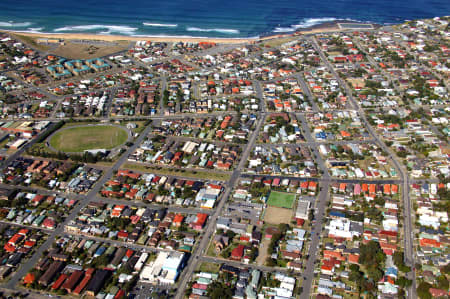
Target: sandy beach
{"type": "Point", "coordinates": [113, 38]}
{"type": "Point", "coordinates": [325, 27]}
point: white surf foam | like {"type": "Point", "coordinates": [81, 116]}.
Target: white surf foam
{"type": "Point", "coordinates": [190, 36]}
{"type": "Point", "coordinates": [35, 29]}
{"type": "Point", "coordinates": [127, 30]}
{"type": "Point", "coordinates": [306, 23]}
{"type": "Point", "coordinates": [283, 29]}
{"type": "Point", "coordinates": [220, 30]}
{"type": "Point", "coordinates": [159, 25]}
{"type": "Point", "coordinates": [14, 24]}
{"type": "Point", "coordinates": [309, 22]}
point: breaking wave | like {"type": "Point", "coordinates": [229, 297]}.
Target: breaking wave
{"type": "Point", "coordinates": [127, 30]}
{"type": "Point", "coordinates": [13, 24]}
{"type": "Point", "coordinates": [159, 25]}
{"type": "Point", "coordinates": [226, 31]}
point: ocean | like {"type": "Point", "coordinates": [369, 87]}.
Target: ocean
{"type": "Point", "coordinates": [214, 18]}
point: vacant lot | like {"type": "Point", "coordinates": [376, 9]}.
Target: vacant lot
{"type": "Point", "coordinates": [31, 41]}
{"type": "Point", "coordinates": [76, 50]}
{"type": "Point", "coordinates": [281, 199]}
{"type": "Point", "coordinates": [276, 215]}
{"type": "Point", "coordinates": [262, 254]}
{"type": "Point", "coordinates": [276, 42]}
{"type": "Point", "coordinates": [83, 138]}
{"type": "Point", "coordinates": [209, 267]}
{"type": "Point", "coordinates": [198, 174]}
{"type": "Point", "coordinates": [88, 50]}
{"type": "Point", "coordinates": [356, 82]}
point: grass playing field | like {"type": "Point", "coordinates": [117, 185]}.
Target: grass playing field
{"type": "Point", "coordinates": [78, 139]}
{"type": "Point", "coordinates": [281, 199]}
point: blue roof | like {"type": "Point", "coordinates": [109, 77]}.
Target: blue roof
{"type": "Point", "coordinates": [100, 251]}
{"type": "Point", "coordinates": [337, 214]}
{"type": "Point", "coordinates": [321, 135]}
{"type": "Point", "coordinates": [391, 271]}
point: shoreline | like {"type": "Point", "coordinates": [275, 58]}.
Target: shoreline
{"type": "Point", "coordinates": [319, 28]}
{"type": "Point", "coordinates": [114, 38]}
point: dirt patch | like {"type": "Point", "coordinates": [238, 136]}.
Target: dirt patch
{"type": "Point", "coordinates": [335, 53]}
{"type": "Point", "coordinates": [355, 82]}
{"type": "Point", "coordinates": [279, 41]}
{"type": "Point", "coordinates": [75, 49]}
{"type": "Point", "coordinates": [276, 215]}
{"type": "Point", "coordinates": [262, 255]}
{"type": "Point", "coordinates": [72, 50]}
{"type": "Point", "coordinates": [30, 41]}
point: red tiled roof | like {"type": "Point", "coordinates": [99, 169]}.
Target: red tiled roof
{"type": "Point", "coordinates": [238, 252]}
{"type": "Point", "coordinates": [29, 278]}
{"type": "Point", "coordinates": [57, 284]}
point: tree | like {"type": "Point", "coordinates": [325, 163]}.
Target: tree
{"type": "Point", "coordinates": [402, 154]}
{"type": "Point", "coordinates": [374, 273]}
{"type": "Point", "coordinates": [253, 253]}
{"type": "Point", "coordinates": [115, 188]}
{"type": "Point", "coordinates": [373, 258]}
{"type": "Point", "coordinates": [270, 262]}
{"type": "Point", "coordinates": [283, 227]}
{"type": "Point", "coordinates": [398, 258]}
{"type": "Point", "coordinates": [404, 282]}
{"type": "Point", "coordinates": [129, 285]}
{"type": "Point", "coordinates": [371, 254]}
{"type": "Point", "coordinates": [188, 192]}
{"type": "Point", "coordinates": [188, 290]}
{"type": "Point", "coordinates": [379, 200]}
{"type": "Point", "coordinates": [311, 215]}
{"type": "Point", "coordinates": [218, 290]}
{"type": "Point", "coordinates": [375, 214]}
{"type": "Point", "coordinates": [446, 269]}
{"type": "Point", "coordinates": [423, 290]}
{"type": "Point", "coordinates": [442, 282]}
{"type": "Point", "coordinates": [230, 234]}
{"type": "Point", "coordinates": [355, 274]}
{"type": "Point", "coordinates": [100, 261]}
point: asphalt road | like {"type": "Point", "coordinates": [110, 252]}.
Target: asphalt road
{"type": "Point", "coordinates": [211, 225]}
{"type": "Point", "coordinates": [317, 157]}
{"type": "Point", "coordinates": [407, 211]}
{"type": "Point", "coordinates": [20, 151]}
{"type": "Point", "coordinates": [243, 265]}
{"type": "Point", "coordinates": [316, 231]}
{"type": "Point", "coordinates": [198, 254]}
{"type": "Point", "coordinates": [317, 143]}
{"type": "Point", "coordinates": [25, 268]}
{"type": "Point", "coordinates": [307, 92]}
{"type": "Point", "coordinates": [161, 95]}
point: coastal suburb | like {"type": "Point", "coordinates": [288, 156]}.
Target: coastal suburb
{"type": "Point", "coordinates": [313, 164]}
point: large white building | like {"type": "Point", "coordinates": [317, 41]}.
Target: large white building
{"type": "Point", "coordinates": [302, 209]}
{"type": "Point", "coordinates": [343, 228]}
{"type": "Point", "coordinates": [165, 269]}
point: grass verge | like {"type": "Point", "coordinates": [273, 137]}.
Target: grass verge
{"type": "Point", "coordinates": [198, 174]}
